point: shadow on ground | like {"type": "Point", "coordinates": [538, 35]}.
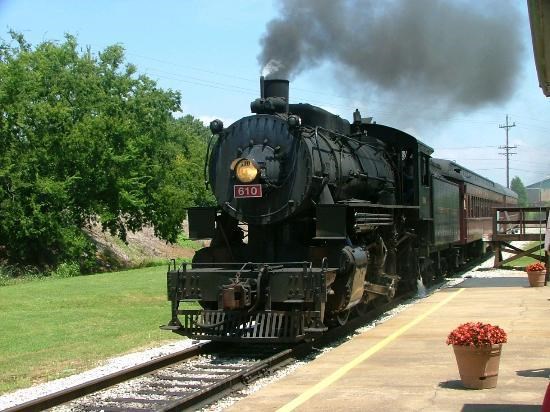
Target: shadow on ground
{"type": "Point", "coordinates": [535, 373]}
{"type": "Point", "coordinates": [504, 282]}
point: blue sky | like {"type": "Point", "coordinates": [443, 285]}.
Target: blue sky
{"type": "Point", "coordinates": [208, 50]}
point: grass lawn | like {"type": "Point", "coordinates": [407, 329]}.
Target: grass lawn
{"type": "Point", "coordinates": [524, 261]}
{"type": "Point", "coordinates": [53, 328]}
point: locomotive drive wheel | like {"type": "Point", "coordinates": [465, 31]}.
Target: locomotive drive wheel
{"type": "Point", "coordinates": [340, 318]}
{"type": "Point", "coordinates": [443, 268]}
{"type": "Point", "coordinates": [379, 301]}
{"type": "Point", "coordinates": [362, 308]}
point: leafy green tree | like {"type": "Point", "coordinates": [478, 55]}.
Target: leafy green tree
{"type": "Point", "coordinates": [185, 151]}
{"type": "Point", "coordinates": [517, 186]}
{"type": "Point", "coordinates": [85, 137]}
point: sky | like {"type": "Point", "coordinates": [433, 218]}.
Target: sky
{"type": "Point", "coordinates": [211, 51]}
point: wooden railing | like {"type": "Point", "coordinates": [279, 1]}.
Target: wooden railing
{"type": "Point", "coordinates": [519, 223]}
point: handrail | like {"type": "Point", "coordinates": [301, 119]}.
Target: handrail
{"type": "Point", "coordinates": [514, 220]}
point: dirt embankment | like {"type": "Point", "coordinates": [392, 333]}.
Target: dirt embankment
{"type": "Point", "coordinates": [140, 248]}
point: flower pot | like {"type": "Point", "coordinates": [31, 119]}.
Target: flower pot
{"type": "Point", "coordinates": [478, 366]}
{"type": "Point", "coordinates": [537, 278]}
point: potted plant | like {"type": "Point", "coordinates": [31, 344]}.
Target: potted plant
{"type": "Point", "coordinates": [536, 273]}
{"type": "Point", "coordinates": [477, 347]}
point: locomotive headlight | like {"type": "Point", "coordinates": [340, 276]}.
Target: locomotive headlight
{"type": "Point", "coordinates": [246, 171]}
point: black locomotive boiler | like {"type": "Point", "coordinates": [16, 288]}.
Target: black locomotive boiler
{"type": "Point", "coordinates": [316, 218]}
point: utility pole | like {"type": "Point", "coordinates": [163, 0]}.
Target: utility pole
{"type": "Point", "coordinates": [507, 148]}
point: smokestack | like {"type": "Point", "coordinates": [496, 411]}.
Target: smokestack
{"type": "Point", "coordinates": [274, 88]}
{"type": "Point", "coordinates": [274, 96]}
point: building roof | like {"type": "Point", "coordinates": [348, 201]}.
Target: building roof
{"type": "Point", "coordinates": [543, 184]}
{"type": "Point", "coordinates": [539, 17]}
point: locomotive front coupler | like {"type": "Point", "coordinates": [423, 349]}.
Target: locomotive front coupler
{"type": "Point", "coordinates": [241, 294]}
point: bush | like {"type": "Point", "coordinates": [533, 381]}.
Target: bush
{"type": "Point", "coordinates": [66, 270]}
{"type": "Point", "coordinates": [12, 274]}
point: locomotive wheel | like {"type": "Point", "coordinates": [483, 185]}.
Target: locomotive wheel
{"type": "Point", "coordinates": [428, 273]}
{"type": "Point", "coordinates": [362, 308]}
{"type": "Point", "coordinates": [379, 301]}
{"type": "Point", "coordinates": [443, 268]}
{"type": "Point", "coordinates": [409, 270]}
{"type": "Point", "coordinates": [340, 318]}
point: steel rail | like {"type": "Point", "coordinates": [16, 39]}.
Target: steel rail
{"type": "Point", "coordinates": [66, 395]}
{"type": "Point", "coordinates": [234, 381]}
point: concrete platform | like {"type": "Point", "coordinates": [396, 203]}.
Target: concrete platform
{"type": "Point", "coordinates": [405, 365]}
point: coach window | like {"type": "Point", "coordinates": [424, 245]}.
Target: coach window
{"type": "Point", "coordinates": [482, 207]}
{"type": "Point", "coordinates": [479, 207]}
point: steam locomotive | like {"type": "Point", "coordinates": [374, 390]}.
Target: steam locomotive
{"type": "Point", "coordinates": [318, 218]}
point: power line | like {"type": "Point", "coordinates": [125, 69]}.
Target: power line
{"type": "Point", "coordinates": [507, 148]}
{"type": "Point", "coordinates": [345, 105]}
{"type": "Point", "coordinates": [464, 147]}
{"type": "Point", "coordinates": [513, 168]}
{"type": "Point", "coordinates": [241, 90]}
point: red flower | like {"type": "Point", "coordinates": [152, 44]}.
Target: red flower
{"type": "Point", "coordinates": [476, 334]}
{"type": "Point", "coordinates": [535, 267]}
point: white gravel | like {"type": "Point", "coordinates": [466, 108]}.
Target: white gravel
{"type": "Point", "coordinates": [116, 364]}
{"type": "Point", "coordinates": [109, 366]}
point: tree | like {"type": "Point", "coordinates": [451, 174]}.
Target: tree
{"type": "Point", "coordinates": [185, 152]}
{"type": "Point", "coordinates": [517, 186]}
{"type": "Point", "coordinates": [84, 137]}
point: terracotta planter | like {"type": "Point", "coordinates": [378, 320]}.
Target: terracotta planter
{"type": "Point", "coordinates": [537, 278]}
{"type": "Point", "coordinates": [478, 367]}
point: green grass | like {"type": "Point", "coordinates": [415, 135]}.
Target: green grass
{"type": "Point", "coordinates": [188, 243]}
{"type": "Point", "coordinates": [54, 327]}
{"type": "Point", "coordinates": [526, 260]}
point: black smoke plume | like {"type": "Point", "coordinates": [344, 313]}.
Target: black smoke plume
{"type": "Point", "coordinates": [461, 54]}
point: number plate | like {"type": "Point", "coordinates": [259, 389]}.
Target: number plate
{"type": "Point", "coordinates": [243, 191]}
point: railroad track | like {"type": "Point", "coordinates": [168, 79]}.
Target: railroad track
{"type": "Point", "coordinates": [169, 383]}
{"type": "Point", "coordinates": [192, 377]}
